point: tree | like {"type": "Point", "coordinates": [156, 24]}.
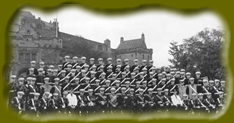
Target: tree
{"type": "Point", "coordinates": [201, 52]}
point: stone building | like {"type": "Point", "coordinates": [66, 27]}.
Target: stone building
{"type": "Point", "coordinates": [35, 39]}
{"type": "Point", "coordinates": [133, 49]}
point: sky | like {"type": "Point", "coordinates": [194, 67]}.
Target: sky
{"type": "Point", "coordinates": [160, 27]}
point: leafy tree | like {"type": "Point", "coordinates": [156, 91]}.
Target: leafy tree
{"type": "Point", "coordinates": [201, 52]}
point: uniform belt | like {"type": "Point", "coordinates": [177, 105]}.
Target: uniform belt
{"type": "Point", "coordinates": [12, 91]}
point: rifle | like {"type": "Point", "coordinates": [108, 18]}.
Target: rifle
{"type": "Point", "coordinates": [103, 81]}
{"type": "Point", "coordinates": [123, 80]}
{"type": "Point", "coordinates": [86, 86]}
{"type": "Point", "coordinates": [117, 75]}
{"type": "Point", "coordinates": [76, 87]}
{"type": "Point", "coordinates": [127, 90]}
{"type": "Point", "coordinates": [202, 104]}
{"type": "Point", "coordinates": [82, 101]}
{"type": "Point", "coordinates": [145, 89]}
{"type": "Point", "coordinates": [132, 81]}
{"type": "Point", "coordinates": [97, 88]}
{"type": "Point", "coordinates": [110, 75]}
{"type": "Point", "coordinates": [117, 90]}
{"type": "Point", "coordinates": [74, 65]}
{"type": "Point", "coordinates": [210, 104]}
{"type": "Point", "coordinates": [205, 89]}
{"type": "Point", "coordinates": [75, 76]}
{"type": "Point", "coordinates": [216, 89]}
{"type": "Point", "coordinates": [65, 77]}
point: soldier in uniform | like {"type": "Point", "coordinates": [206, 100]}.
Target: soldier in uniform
{"type": "Point", "coordinates": [160, 102]}
{"type": "Point", "coordinates": [118, 72]}
{"type": "Point", "coordinates": [75, 62]}
{"type": "Point", "coordinates": [210, 103]}
{"type": "Point", "coordinates": [56, 88]}
{"type": "Point", "coordinates": [201, 104]}
{"type": "Point", "coordinates": [91, 63]}
{"type": "Point", "coordinates": [82, 103]}
{"type": "Point", "coordinates": [54, 103]}
{"type": "Point", "coordinates": [44, 103]}
{"type": "Point", "coordinates": [46, 87]}
{"type": "Point", "coordinates": [40, 78]}
{"type": "Point", "coordinates": [42, 66]}
{"type": "Point", "coordinates": [119, 64]}
{"type": "Point", "coordinates": [123, 100]}
{"type": "Point", "coordinates": [100, 64]}
{"type": "Point", "coordinates": [136, 64]}
{"type": "Point", "coordinates": [91, 102]}
{"type": "Point", "coordinates": [140, 102]}
{"type": "Point", "coordinates": [150, 100]}
{"type": "Point", "coordinates": [17, 103]}
{"type": "Point", "coordinates": [109, 64]}
{"type": "Point", "coordinates": [220, 101]}
{"type": "Point", "coordinates": [126, 63]}
{"type": "Point", "coordinates": [113, 100]}
{"type": "Point", "coordinates": [150, 66]}
{"type": "Point", "coordinates": [33, 68]}
{"type": "Point", "coordinates": [187, 77]}
{"type": "Point", "coordinates": [167, 100]}
{"type": "Point", "coordinates": [132, 101]}
{"type": "Point", "coordinates": [100, 70]}
{"type": "Point", "coordinates": [109, 71]}
{"type": "Point", "coordinates": [144, 65]}
{"type": "Point", "coordinates": [66, 62]}
{"type": "Point", "coordinates": [83, 62]}
{"type": "Point", "coordinates": [33, 105]}
{"type": "Point", "coordinates": [102, 104]}
{"type": "Point", "coordinates": [31, 72]}
{"type": "Point", "coordinates": [64, 102]}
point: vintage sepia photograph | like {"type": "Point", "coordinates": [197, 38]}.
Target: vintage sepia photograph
{"type": "Point", "coordinates": [76, 62]}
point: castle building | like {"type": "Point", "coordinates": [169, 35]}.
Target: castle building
{"type": "Point", "coordinates": [35, 39]}
{"type": "Point", "coordinates": [133, 49]}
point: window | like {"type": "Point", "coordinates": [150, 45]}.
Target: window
{"type": "Point", "coordinates": [100, 47]}
{"type": "Point", "coordinates": [27, 57]}
{"type": "Point", "coordinates": [21, 57]}
{"type": "Point", "coordinates": [143, 56]}
{"type": "Point", "coordinates": [148, 56]}
{"type": "Point", "coordinates": [34, 56]}
{"type": "Point", "coordinates": [132, 55]}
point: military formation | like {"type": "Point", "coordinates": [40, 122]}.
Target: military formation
{"type": "Point", "coordinates": [86, 88]}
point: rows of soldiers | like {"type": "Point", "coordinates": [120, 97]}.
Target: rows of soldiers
{"type": "Point", "coordinates": [83, 88]}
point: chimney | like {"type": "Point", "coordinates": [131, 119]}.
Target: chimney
{"type": "Point", "coordinates": [143, 36]}
{"type": "Point", "coordinates": [121, 39]}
